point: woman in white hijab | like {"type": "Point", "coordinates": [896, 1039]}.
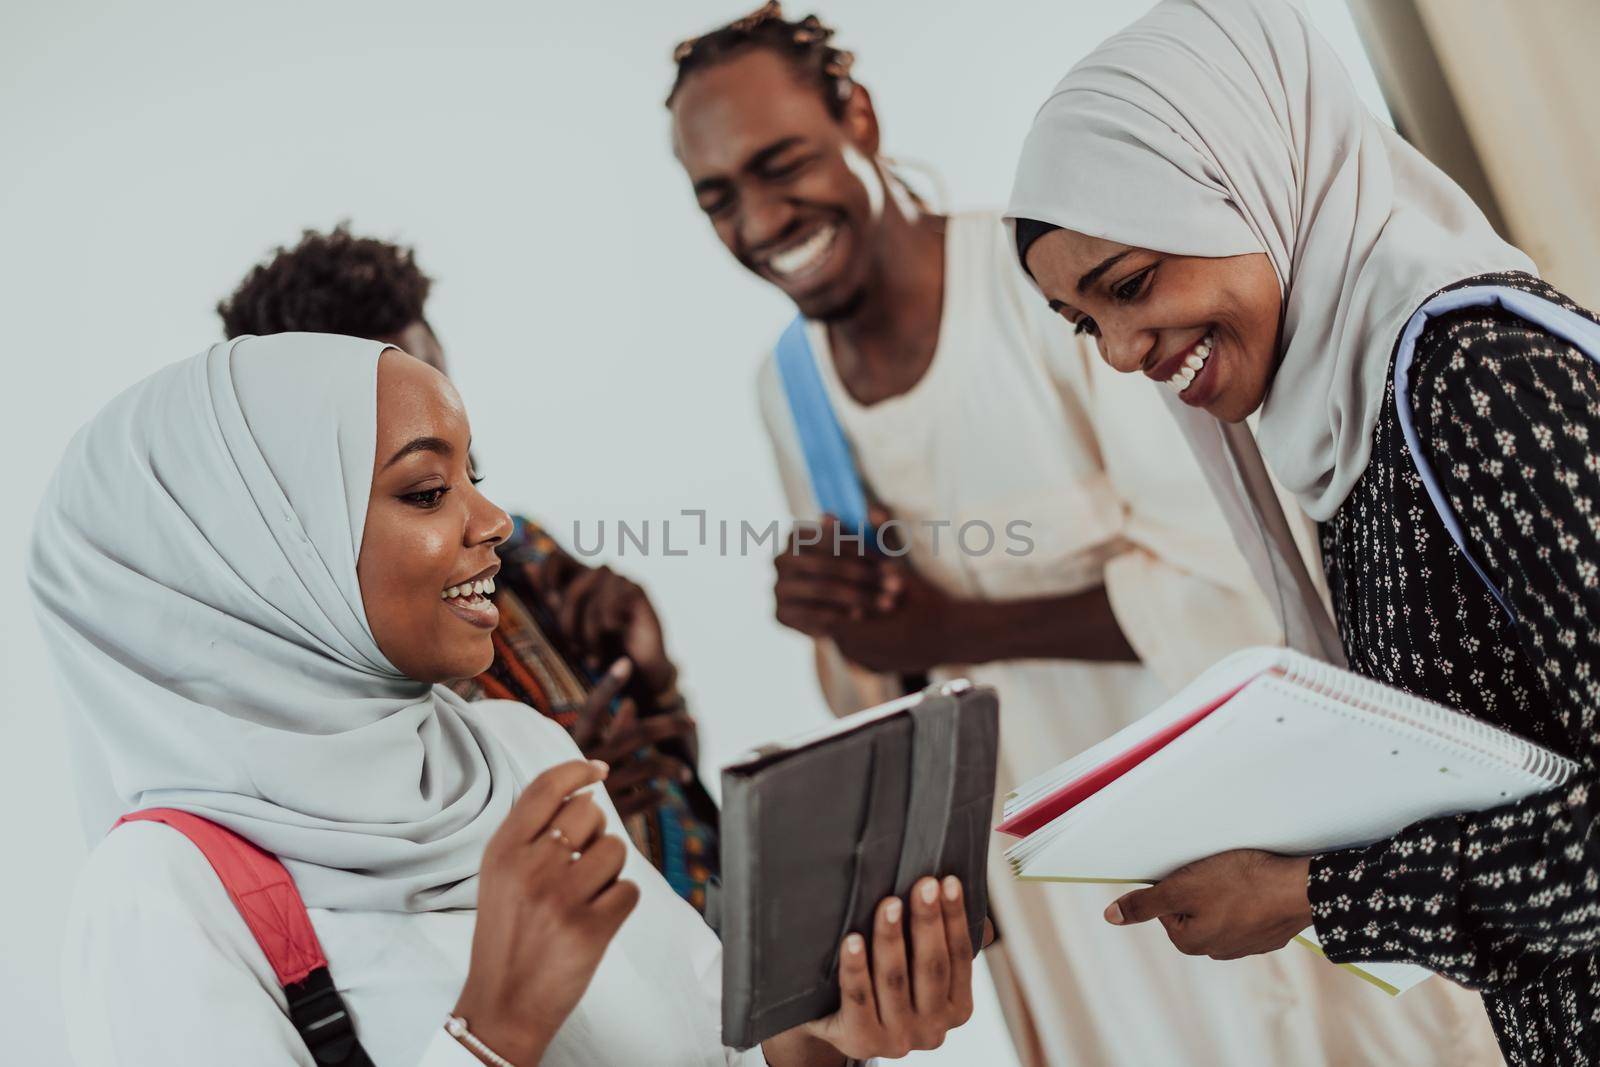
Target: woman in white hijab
{"type": "Point", "coordinates": [253, 568]}
{"type": "Point", "coordinates": [1207, 197]}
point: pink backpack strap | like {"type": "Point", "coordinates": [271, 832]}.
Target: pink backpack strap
{"type": "Point", "coordinates": [268, 901]}
{"type": "Point", "coordinates": [259, 887]}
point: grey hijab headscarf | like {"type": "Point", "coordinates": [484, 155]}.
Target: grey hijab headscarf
{"type": "Point", "coordinates": [194, 571]}
{"type": "Point", "coordinates": [1222, 127]}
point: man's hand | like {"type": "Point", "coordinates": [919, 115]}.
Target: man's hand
{"type": "Point", "coordinates": [631, 745]}
{"type": "Point", "coordinates": [916, 634]}
{"type": "Point", "coordinates": [1228, 906]}
{"type": "Point", "coordinates": [880, 611]}
{"type": "Point", "coordinates": [603, 615]}
{"type": "Point", "coordinates": [825, 578]}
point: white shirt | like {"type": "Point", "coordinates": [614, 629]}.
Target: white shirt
{"type": "Point", "coordinates": [160, 970]}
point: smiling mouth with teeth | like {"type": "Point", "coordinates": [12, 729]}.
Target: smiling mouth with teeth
{"type": "Point", "coordinates": [480, 590]}
{"type": "Point", "coordinates": [1193, 364]}
{"type": "Point", "coordinates": [795, 263]}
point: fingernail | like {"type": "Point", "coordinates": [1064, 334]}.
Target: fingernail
{"type": "Point", "coordinates": [685, 775]}
{"type": "Point", "coordinates": [952, 888]}
{"type": "Point", "coordinates": [891, 914]}
{"type": "Point", "coordinates": [601, 765]}
{"type": "Point", "coordinates": [622, 668]}
{"type": "Point", "coordinates": [854, 944]}
{"type": "Point", "coordinates": [1114, 914]}
{"type": "Point", "coordinates": [930, 891]}
{"type": "Point", "coordinates": [885, 603]}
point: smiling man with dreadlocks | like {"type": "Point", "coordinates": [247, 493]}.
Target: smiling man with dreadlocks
{"type": "Point", "coordinates": [1058, 534]}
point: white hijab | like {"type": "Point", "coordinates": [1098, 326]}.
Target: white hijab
{"type": "Point", "coordinates": [194, 571]}
{"type": "Point", "coordinates": [1220, 127]}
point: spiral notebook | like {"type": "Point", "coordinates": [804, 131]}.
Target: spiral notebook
{"type": "Point", "coordinates": [1274, 750]}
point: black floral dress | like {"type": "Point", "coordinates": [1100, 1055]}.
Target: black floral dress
{"type": "Point", "coordinates": [1506, 901]}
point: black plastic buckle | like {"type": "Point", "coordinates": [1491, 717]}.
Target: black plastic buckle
{"type": "Point", "coordinates": [320, 1017]}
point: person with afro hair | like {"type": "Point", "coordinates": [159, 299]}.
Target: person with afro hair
{"type": "Point", "coordinates": [336, 282]}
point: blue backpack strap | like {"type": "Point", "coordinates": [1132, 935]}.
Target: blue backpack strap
{"type": "Point", "coordinates": [1575, 329]}
{"type": "Point", "coordinates": [834, 479]}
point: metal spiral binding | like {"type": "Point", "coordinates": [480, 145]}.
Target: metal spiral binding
{"type": "Point", "coordinates": [1373, 698]}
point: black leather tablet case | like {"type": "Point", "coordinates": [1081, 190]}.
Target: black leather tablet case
{"type": "Point", "coordinates": [815, 832]}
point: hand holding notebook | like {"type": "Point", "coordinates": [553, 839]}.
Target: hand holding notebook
{"type": "Point", "coordinates": [1228, 906]}
{"type": "Point", "coordinates": [1268, 750]}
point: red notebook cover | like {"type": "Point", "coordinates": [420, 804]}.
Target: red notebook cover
{"type": "Point", "coordinates": [1091, 782]}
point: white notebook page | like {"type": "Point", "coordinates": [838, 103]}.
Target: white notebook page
{"type": "Point", "coordinates": [1285, 766]}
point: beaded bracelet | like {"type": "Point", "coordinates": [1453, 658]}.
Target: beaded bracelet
{"type": "Point", "coordinates": [456, 1027]}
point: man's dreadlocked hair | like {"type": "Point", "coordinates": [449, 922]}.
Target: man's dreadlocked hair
{"type": "Point", "coordinates": [804, 44]}
{"type": "Point", "coordinates": [330, 283]}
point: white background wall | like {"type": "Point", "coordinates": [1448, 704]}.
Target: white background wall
{"type": "Point", "coordinates": [605, 344]}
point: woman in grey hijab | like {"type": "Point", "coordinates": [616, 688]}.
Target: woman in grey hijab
{"type": "Point", "coordinates": [254, 570]}
{"type": "Point", "coordinates": [1206, 195]}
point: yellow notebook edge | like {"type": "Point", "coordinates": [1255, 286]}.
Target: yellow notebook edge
{"type": "Point", "coordinates": [1366, 976]}
{"type": "Point", "coordinates": [1354, 969]}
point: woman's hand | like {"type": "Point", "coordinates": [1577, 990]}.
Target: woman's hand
{"type": "Point", "coordinates": [549, 902]}
{"type": "Point", "coordinates": [1227, 906]}
{"type": "Point", "coordinates": [889, 1005]}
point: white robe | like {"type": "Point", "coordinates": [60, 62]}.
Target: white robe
{"type": "Point", "coordinates": [159, 970]}
{"type": "Point", "coordinates": [1016, 419]}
